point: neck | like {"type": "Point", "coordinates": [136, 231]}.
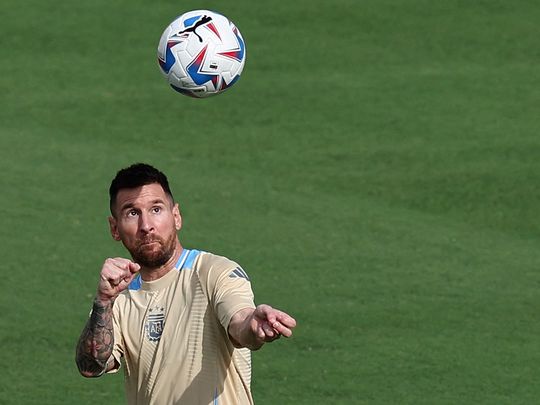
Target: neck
{"type": "Point", "coordinates": [155, 273]}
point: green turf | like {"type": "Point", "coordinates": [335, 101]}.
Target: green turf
{"type": "Point", "coordinates": [375, 171]}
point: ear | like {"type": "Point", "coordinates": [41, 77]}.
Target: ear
{"type": "Point", "coordinates": [114, 228]}
{"type": "Point", "coordinates": [177, 217]}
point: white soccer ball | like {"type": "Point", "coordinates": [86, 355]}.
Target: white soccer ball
{"type": "Point", "coordinates": [201, 53]}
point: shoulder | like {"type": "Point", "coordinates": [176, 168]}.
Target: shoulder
{"type": "Point", "coordinates": [210, 260]}
{"type": "Point", "coordinates": [214, 266]}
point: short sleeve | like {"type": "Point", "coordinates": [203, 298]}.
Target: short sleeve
{"type": "Point", "coordinates": [228, 287]}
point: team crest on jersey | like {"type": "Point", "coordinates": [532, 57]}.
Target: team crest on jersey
{"type": "Point", "coordinates": [154, 324]}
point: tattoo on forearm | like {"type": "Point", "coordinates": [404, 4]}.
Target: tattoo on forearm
{"type": "Point", "coordinates": [96, 343]}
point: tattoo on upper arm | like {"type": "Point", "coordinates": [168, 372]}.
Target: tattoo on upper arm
{"type": "Point", "coordinates": [95, 345]}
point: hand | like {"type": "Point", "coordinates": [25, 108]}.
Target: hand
{"type": "Point", "coordinates": [269, 324]}
{"type": "Point", "coordinates": [116, 274]}
{"type": "Point", "coordinates": [253, 327]}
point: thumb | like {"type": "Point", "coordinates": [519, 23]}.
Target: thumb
{"type": "Point", "coordinates": [124, 283]}
{"type": "Point", "coordinates": [133, 267]}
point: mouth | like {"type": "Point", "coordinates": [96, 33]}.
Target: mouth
{"type": "Point", "coordinates": [148, 243]}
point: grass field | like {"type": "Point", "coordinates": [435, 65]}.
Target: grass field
{"type": "Point", "coordinates": [376, 171]}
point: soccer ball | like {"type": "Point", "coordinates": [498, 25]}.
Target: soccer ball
{"type": "Point", "coordinates": [201, 53]}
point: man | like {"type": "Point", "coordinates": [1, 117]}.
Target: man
{"type": "Point", "coordinates": [183, 320]}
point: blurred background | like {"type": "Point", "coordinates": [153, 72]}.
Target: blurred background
{"type": "Point", "coordinates": [375, 171]}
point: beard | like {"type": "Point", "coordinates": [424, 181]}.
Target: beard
{"type": "Point", "coordinates": [152, 251]}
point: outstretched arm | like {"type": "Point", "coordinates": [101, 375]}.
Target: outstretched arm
{"type": "Point", "coordinates": [95, 346]}
{"type": "Point", "coordinates": [253, 327]}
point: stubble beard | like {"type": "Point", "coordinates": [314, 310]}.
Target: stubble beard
{"type": "Point", "coordinates": [152, 258]}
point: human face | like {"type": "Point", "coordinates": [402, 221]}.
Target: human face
{"type": "Point", "coordinates": [146, 220]}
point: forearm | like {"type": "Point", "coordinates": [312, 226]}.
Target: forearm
{"type": "Point", "coordinates": [95, 345]}
{"type": "Point", "coordinates": [240, 331]}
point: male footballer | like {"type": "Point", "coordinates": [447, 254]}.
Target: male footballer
{"type": "Point", "coordinates": [183, 321]}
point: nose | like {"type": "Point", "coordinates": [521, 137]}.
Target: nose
{"type": "Point", "coordinates": [145, 225]}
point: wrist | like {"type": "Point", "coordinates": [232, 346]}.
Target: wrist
{"type": "Point", "coordinates": [103, 302]}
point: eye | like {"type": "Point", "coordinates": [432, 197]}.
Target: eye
{"type": "Point", "coordinates": [132, 213]}
{"type": "Point", "coordinates": [156, 210]}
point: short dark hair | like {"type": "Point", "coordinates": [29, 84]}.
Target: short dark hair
{"type": "Point", "coordinates": [137, 175]}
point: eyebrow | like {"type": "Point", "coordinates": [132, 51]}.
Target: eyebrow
{"type": "Point", "coordinates": [130, 205]}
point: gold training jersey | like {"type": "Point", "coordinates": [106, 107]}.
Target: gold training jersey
{"type": "Point", "coordinates": [172, 334]}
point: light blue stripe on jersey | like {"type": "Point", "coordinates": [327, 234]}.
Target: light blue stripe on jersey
{"type": "Point", "coordinates": [135, 283]}
{"type": "Point", "coordinates": [185, 257]}
{"type": "Point", "coordinates": [180, 263]}
{"type": "Point", "coordinates": [192, 255]}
